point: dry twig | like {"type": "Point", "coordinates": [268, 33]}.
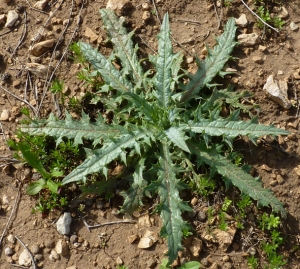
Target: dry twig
{"type": "Point", "coordinates": [106, 223]}
{"type": "Point", "coordinates": [32, 257]}
{"type": "Point", "coordinates": [276, 30]}
{"type": "Point", "coordinates": [10, 216]}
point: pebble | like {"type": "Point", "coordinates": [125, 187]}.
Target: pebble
{"type": "Point", "coordinates": [283, 13]}
{"type": "Point", "coordinates": [145, 6]}
{"type": "Point", "coordinates": [196, 247]}
{"type": "Point", "coordinates": [41, 4]}
{"type": "Point", "coordinates": [280, 179]}
{"type": "Point", "coordinates": [247, 40]}
{"type": "Point", "coordinates": [146, 15]}
{"type": "Point", "coordinates": [151, 263]}
{"type": "Point", "coordinates": [49, 243]}
{"type": "Point", "coordinates": [118, 5]}
{"type": "Point", "coordinates": [119, 261]}
{"type": "Point", "coordinates": [5, 115]}
{"type": "Point", "coordinates": [201, 216]}
{"type": "Point", "coordinates": [11, 239]}
{"type": "Point", "coordinates": [62, 248]}
{"type": "Point", "coordinates": [25, 258]}
{"type": "Point", "coordinates": [257, 59]}
{"type": "Point", "coordinates": [241, 21]}
{"type": "Point", "coordinates": [278, 91]}
{"type": "Point", "coordinates": [73, 238]}
{"type": "Point", "coordinates": [54, 254]}
{"type": "Point", "coordinates": [38, 257]}
{"type": "Point", "coordinates": [227, 265]}
{"type": "Point", "coordinates": [63, 223]}
{"type": "Point", "coordinates": [39, 48]}
{"type": "Point", "coordinates": [148, 239]}
{"type": "Point", "coordinates": [294, 26]}
{"type": "Point", "coordinates": [12, 17]}
{"type": "Point", "coordinates": [8, 251]}
{"type": "Point", "coordinates": [35, 249]}
{"type": "Point", "coordinates": [90, 35]}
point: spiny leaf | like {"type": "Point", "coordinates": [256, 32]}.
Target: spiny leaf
{"type": "Point", "coordinates": [170, 204]}
{"type": "Point", "coordinates": [107, 70]}
{"type": "Point", "coordinates": [213, 63]}
{"type": "Point", "coordinates": [123, 45]}
{"type": "Point", "coordinates": [177, 137]}
{"type": "Point", "coordinates": [135, 194]}
{"type": "Point", "coordinates": [73, 129]}
{"type": "Point", "coordinates": [245, 182]}
{"type": "Point", "coordinates": [231, 129]}
{"type": "Point", "coordinates": [140, 104]}
{"type": "Point", "coordinates": [163, 77]}
{"type": "Point", "coordinates": [102, 157]}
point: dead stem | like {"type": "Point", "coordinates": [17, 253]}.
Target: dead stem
{"type": "Point", "coordinates": [10, 216]}
{"type": "Point", "coordinates": [32, 258]}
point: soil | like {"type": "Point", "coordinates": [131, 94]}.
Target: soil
{"type": "Point", "coordinates": [109, 245]}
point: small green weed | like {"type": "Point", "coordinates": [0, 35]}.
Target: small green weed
{"type": "Point", "coordinates": [189, 265]}
{"type": "Point", "coordinates": [264, 14]}
{"type": "Point", "coordinates": [252, 262]}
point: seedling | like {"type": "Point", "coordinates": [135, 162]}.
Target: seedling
{"type": "Point", "coordinates": [165, 132]}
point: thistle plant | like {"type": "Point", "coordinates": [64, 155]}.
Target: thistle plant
{"type": "Point", "coordinates": [163, 130]}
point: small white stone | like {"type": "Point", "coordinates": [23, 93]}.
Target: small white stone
{"type": "Point", "coordinates": [12, 17]}
{"type": "Point", "coordinates": [8, 251]}
{"type": "Point", "coordinates": [5, 200]}
{"type": "Point", "coordinates": [63, 223]}
{"type": "Point", "coordinates": [41, 4]}
{"type": "Point", "coordinates": [25, 258]}
{"type": "Point", "coordinates": [11, 239]}
{"type": "Point", "coordinates": [294, 26]}
{"type": "Point", "coordinates": [241, 21]}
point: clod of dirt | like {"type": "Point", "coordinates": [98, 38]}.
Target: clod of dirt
{"type": "Point", "coordinates": [25, 258]}
{"type": "Point", "coordinates": [54, 255]}
{"type": "Point", "coordinates": [241, 21]}
{"type": "Point", "coordinates": [297, 170]}
{"type": "Point", "coordinates": [39, 48]}
{"type": "Point", "coordinates": [132, 238]}
{"type": "Point", "coordinates": [148, 240]}
{"type": "Point", "coordinates": [90, 35]}
{"type": "Point", "coordinates": [144, 221]}
{"type": "Point", "coordinates": [2, 18]}
{"type": "Point", "coordinates": [196, 247]}
{"type": "Point", "coordinates": [248, 40]}
{"type": "Point", "coordinates": [278, 91]}
{"type": "Point", "coordinates": [39, 70]}
{"type": "Point", "coordinates": [62, 248]}
{"type": "Point", "coordinates": [35, 249]}
{"type": "Point", "coordinates": [41, 4]}
{"type": "Point", "coordinates": [12, 17]}
{"type": "Point", "coordinates": [63, 223]}
{"type": "Point", "coordinates": [294, 26]}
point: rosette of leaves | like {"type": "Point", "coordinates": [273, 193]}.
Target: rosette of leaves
{"type": "Point", "coordinates": [162, 129]}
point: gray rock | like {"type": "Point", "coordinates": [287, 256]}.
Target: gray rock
{"type": "Point", "coordinates": [25, 258]}
{"type": "Point", "coordinates": [63, 223]}
{"type": "Point", "coordinates": [12, 17]}
{"type": "Point", "coordinates": [248, 40]}
{"type": "Point", "coordinates": [35, 249]}
{"type": "Point", "coordinates": [278, 91]}
{"type": "Point", "coordinates": [5, 115]}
